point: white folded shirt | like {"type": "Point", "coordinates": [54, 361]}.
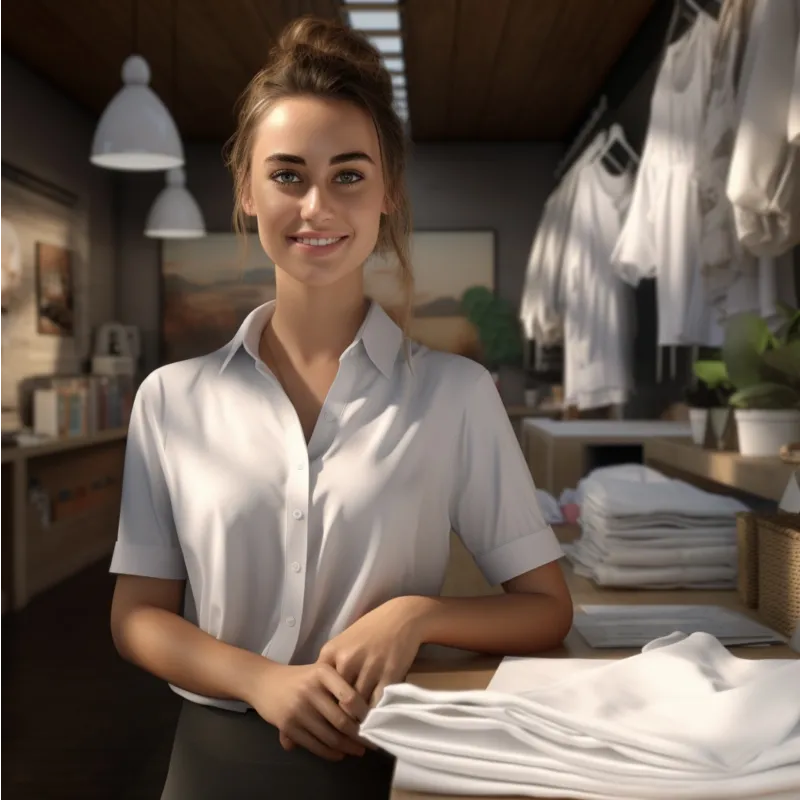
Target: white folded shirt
{"type": "Point", "coordinates": [682, 719]}
{"type": "Point", "coordinates": [623, 494]}
{"type": "Point", "coordinates": [626, 554]}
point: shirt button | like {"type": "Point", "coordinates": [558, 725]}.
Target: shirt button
{"type": "Point", "coordinates": [295, 566]}
{"type": "Point", "coordinates": [290, 621]}
{"type": "Point", "coordinates": [297, 514]}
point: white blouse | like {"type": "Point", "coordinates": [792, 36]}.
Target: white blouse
{"type": "Point", "coordinates": [285, 544]}
{"type": "Point", "coordinates": [661, 234]}
{"type": "Point", "coordinates": [764, 177]}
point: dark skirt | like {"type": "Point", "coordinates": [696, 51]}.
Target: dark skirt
{"type": "Point", "coordinates": [227, 755]}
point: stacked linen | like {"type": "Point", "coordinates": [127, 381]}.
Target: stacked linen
{"type": "Point", "coordinates": [682, 719]}
{"type": "Point", "coordinates": [642, 529]}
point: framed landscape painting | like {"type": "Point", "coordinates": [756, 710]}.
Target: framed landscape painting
{"type": "Point", "coordinates": [209, 286]}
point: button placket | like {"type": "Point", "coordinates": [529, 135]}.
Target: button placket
{"type": "Point", "coordinates": [296, 541]}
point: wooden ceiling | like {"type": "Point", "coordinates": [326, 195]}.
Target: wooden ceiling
{"type": "Point", "coordinates": [477, 70]}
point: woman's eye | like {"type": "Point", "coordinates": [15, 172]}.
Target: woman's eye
{"type": "Point", "coordinates": [285, 177]}
{"type": "Point", "coordinates": [349, 177]}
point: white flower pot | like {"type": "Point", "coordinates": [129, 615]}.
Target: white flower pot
{"type": "Point", "coordinates": [762, 432]}
{"type": "Point", "coordinates": [698, 420]}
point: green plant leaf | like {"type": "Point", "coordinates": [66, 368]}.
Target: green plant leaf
{"type": "Point", "coordinates": [712, 373]}
{"type": "Point", "coordinates": [767, 396]}
{"type": "Point", "coordinates": [783, 363]}
{"type": "Point", "coordinates": [747, 336]}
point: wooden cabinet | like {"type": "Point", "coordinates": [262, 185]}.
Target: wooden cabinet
{"type": "Point", "coordinates": [60, 510]}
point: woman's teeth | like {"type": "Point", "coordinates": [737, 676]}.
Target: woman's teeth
{"type": "Point", "coordinates": [319, 242]}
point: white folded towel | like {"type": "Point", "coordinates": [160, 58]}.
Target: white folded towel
{"type": "Point", "coordinates": [627, 554]}
{"type": "Point", "coordinates": [621, 494]}
{"type": "Point", "coordinates": [682, 719]}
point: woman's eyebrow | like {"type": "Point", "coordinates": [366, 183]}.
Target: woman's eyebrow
{"type": "Point", "coordinates": [288, 158]}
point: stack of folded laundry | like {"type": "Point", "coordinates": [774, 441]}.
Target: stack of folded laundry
{"type": "Point", "coordinates": [642, 529]}
{"type": "Point", "coordinates": [682, 719]}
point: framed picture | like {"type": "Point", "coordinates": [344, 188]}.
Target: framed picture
{"type": "Point", "coordinates": [54, 290]}
{"type": "Point", "coordinates": [209, 286]}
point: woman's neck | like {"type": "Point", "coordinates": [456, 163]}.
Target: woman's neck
{"type": "Point", "coordinates": [317, 323]}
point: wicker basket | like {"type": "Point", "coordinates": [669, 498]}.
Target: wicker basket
{"type": "Point", "coordinates": [779, 570]}
{"type": "Point", "coordinates": [747, 535]}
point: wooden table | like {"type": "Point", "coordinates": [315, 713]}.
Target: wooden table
{"type": "Point", "coordinates": [462, 672]}
{"type": "Point", "coordinates": [717, 470]}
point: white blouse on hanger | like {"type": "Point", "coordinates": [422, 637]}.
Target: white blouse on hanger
{"type": "Point", "coordinates": [661, 235]}
{"type": "Point", "coordinates": [794, 103]}
{"type": "Point", "coordinates": [541, 310]}
{"type": "Point", "coordinates": [598, 328]}
{"type": "Point", "coordinates": [764, 178]}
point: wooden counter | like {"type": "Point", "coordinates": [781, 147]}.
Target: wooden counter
{"type": "Point", "coordinates": [81, 478]}
{"type": "Point", "coordinates": [463, 672]}
{"type": "Point", "coordinates": [765, 477]}
{"type": "Point", "coordinates": [560, 452]}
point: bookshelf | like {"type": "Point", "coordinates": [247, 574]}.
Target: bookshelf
{"type": "Point", "coordinates": [60, 508]}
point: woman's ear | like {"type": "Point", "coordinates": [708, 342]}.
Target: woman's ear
{"type": "Point", "coordinates": [387, 206]}
{"type": "Point", "coordinates": [248, 205]}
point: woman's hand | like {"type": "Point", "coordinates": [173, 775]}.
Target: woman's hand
{"type": "Point", "coordinates": [313, 707]}
{"type": "Point", "coordinates": [376, 650]}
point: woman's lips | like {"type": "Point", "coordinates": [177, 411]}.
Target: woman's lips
{"type": "Point", "coordinates": [318, 245]}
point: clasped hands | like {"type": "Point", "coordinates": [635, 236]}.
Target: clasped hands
{"type": "Point", "coordinates": [324, 703]}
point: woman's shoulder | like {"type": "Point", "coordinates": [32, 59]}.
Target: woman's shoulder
{"type": "Point", "coordinates": [450, 370]}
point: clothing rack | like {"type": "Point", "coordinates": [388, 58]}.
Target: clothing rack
{"type": "Point", "coordinates": [597, 114]}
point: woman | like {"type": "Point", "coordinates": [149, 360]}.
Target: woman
{"type": "Point", "coordinates": [302, 482]}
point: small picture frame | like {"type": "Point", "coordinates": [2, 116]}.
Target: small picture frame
{"type": "Point", "coordinates": [55, 296]}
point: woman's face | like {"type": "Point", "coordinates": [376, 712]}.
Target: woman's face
{"type": "Point", "coordinates": [316, 187]}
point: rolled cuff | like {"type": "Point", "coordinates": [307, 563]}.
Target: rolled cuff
{"type": "Point", "coordinates": [149, 562]}
{"type": "Point", "coordinates": [520, 556]}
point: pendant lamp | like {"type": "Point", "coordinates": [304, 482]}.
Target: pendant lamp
{"type": "Point", "coordinates": [136, 132]}
{"type": "Point", "coordinates": [175, 213]}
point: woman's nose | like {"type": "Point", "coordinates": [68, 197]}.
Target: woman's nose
{"type": "Point", "coordinates": [316, 204]}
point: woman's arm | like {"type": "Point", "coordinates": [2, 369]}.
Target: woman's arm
{"type": "Point", "coordinates": [535, 614]}
{"type": "Point", "coordinates": [148, 631]}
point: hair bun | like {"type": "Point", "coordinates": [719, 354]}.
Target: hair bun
{"type": "Point", "coordinates": [329, 40]}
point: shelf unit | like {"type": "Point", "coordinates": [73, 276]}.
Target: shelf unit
{"type": "Point", "coordinates": [81, 478]}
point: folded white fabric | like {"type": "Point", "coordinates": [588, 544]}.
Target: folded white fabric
{"type": "Point", "coordinates": [633, 554]}
{"type": "Point", "coordinates": [632, 492]}
{"type": "Point", "coordinates": [682, 719]}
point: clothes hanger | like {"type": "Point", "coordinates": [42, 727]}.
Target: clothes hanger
{"type": "Point", "coordinates": [617, 136]}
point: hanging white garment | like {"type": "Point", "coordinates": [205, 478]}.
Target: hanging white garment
{"type": "Point", "coordinates": [542, 306]}
{"type": "Point", "coordinates": [661, 235]}
{"type": "Point", "coordinates": [764, 177]}
{"type": "Point", "coordinates": [599, 306]}
{"type": "Point", "coordinates": [682, 719]}
{"type": "Point", "coordinates": [794, 103]}
{"type": "Point", "coordinates": [730, 273]}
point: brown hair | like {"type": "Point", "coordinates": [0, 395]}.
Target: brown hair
{"type": "Point", "coordinates": [323, 58]}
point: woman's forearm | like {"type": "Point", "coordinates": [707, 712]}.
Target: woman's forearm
{"type": "Point", "coordinates": [178, 652]}
{"type": "Point", "coordinates": [509, 624]}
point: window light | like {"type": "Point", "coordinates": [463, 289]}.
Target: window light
{"type": "Point", "coordinates": [375, 20]}
{"type": "Point", "coordinates": [388, 44]}
{"type": "Point", "coordinates": [394, 64]}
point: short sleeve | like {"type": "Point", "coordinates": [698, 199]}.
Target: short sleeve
{"type": "Point", "coordinates": [147, 541]}
{"type": "Point", "coordinates": [493, 505]}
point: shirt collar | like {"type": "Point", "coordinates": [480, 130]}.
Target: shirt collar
{"type": "Point", "coordinates": [379, 334]}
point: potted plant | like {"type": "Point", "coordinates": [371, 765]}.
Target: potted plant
{"type": "Point", "coordinates": [709, 412]}
{"type": "Point", "coordinates": [498, 328]}
{"type": "Point", "coordinates": [764, 368]}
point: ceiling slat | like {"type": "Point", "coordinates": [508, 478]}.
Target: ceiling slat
{"type": "Point", "coordinates": [480, 32]}
{"type": "Point", "coordinates": [429, 35]}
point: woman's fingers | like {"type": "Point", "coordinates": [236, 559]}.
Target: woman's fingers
{"type": "Point", "coordinates": [350, 701]}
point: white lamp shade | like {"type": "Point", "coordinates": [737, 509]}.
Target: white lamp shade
{"type": "Point", "coordinates": [175, 213]}
{"type": "Point", "coordinates": [136, 133]}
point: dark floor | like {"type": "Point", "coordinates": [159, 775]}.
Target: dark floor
{"type": "Point", "coordinates": [77, 721]}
